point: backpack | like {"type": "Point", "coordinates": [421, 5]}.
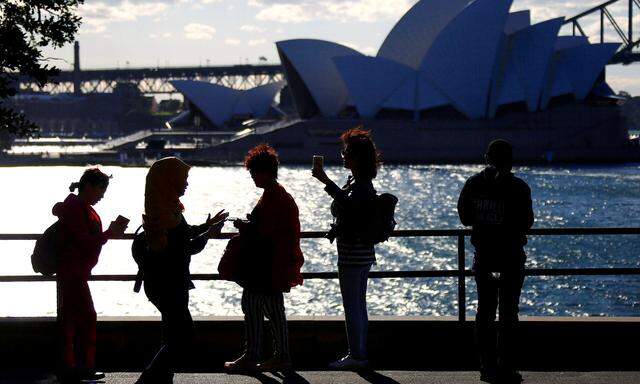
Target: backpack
{"type": "Point", "coordinates": [139, 250]}
{"type": "Point", "coordinates": [45, 255]}
{"type": "Point", "coordinates": [384, 220]}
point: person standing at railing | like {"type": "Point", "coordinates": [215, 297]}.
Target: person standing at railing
{"type": "Point", "coordinates": [498, 207]}
{"type": "Point", "coordinates": [352, 207]}
{"type": "Point", "coordinates": [271, 259]}
{"type": "Point", "coordinates": [81, 239]}
{"type": "Point", "coordinates": [167, 280]}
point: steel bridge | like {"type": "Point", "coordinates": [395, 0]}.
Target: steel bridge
{"type": "Point", "coordinates": [627, 53]}
{"type": "Point", "coordinates": [156, 80]}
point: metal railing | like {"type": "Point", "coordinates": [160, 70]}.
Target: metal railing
{"type": "Point", "coordinates": [461, 273]}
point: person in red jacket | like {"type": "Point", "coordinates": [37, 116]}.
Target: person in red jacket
{"type": "Point", "coordinates": [274, 230]}
{"type": "Point", "coordinates": [81, 239]}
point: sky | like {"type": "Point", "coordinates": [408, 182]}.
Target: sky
{"type": "Point", "coordinates": [161, 33]}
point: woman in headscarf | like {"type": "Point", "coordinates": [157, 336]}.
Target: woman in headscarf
{"type": "Point", "coordinates": [167, 279]}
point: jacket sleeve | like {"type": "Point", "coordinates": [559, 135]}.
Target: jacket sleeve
{"type": "Point", "coordinates": [351, 204]}
{"type": "Point", "coordinates": [198, 238]}
{"type": "Point", "coordinates": [525, 216]}
{"type": "Point", "coordinates": [465, 207]}
{"type": "Point", "coordinates": [338, 194]}
{"type": "Point", "coordinates": [75, 222]}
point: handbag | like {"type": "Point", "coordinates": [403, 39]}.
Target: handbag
{"type": "Point", "coordinates": [247, 261]}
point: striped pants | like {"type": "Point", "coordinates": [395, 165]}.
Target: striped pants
{"type": "Point", "coordinates": [255, 307]}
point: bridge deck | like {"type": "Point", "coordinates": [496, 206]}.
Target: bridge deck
{"type": "Point", "coordinates": [379, 377]}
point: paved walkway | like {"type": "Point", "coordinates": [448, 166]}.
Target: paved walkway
{"type": "Point", "coordinates": [380, 377]}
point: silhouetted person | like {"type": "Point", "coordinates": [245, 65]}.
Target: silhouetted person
{"type": "Point", "coordinates": [498, 207]}
{"type": "Point", "coordinates": [80, 240]}
{"type": "Point", "coordinates": [273, 266]}
{"type": "Point", "coordinates": [167, 280]}
{"type": "Point", "coordinates": [352, 207]}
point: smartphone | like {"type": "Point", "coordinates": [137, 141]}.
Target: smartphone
{"type": "Point", "coordinates": [318, 162]}
{"type": "Point", "coordinates": [123, 221]}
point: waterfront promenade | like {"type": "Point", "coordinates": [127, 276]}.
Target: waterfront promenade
{"type": "Point", "coordinates": [374, 377]}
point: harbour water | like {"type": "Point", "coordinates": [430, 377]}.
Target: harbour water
{"type": "Point", "coordinates": [569, 196]}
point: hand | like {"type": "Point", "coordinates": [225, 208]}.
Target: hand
{"type": "Point", "coordinates": [219, 217]}
{"type": "Point", "coordinates": [117, 229]}
{"type": "Point", "coordinates": [216, 229]}
{"type": "Point", "coordinates": [240, 224]}
{"type": "Point", "coordinates": [321, 175]}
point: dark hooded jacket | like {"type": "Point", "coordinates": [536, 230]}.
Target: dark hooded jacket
{"type": "Point", "coordinates": [499, 209]}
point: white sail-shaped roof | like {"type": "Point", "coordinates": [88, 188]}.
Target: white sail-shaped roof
{"type": "Point", "coordinates": [370, 80]}
{"type": "Point", "coordinates": [415, 32]}
{"type": "Point", "coordinates": [517, 21]}
{"type": "Point", "coordinates": [216, 102]}
{"type": "Point", "coordinates": [428, 95]}
{"type": "Point", "coordinates": [262, 98]}
{"type": "Point", "coordinates": [557, 83]}
{"type": "Point", "coordinates": [530, 52]}
{"type": "Point", "coordinates": [461, 61]}
{"type": "Point", "coordinates": [403, 97]}
{"type": "Point", "coordinates": [564, 42]}
{"type": "Point", "coordinates": [312, 61]}
{"type": "Point", "coordinates": [472, 55]}
{"type": "Point", "coordinates": [583, 65]}
{"type": "Point", "coordinates": [219, 103]}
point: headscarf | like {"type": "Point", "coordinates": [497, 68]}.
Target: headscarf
{"type": "Point", "coordinates": [162, 206]}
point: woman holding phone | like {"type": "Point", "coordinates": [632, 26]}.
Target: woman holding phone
{"type": "Point", "coordinates": [273, 265]}
{"type": "Point", "coordinates": [352, 207]}
{"type": "Point", "coordinates": [167, 280]}
{"type": "Point", "coordinates": [81, 239]}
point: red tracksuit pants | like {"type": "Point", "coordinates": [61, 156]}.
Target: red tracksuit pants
{"type": "Point", "coordinates": [77, 323]}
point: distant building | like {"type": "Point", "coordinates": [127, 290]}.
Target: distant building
{"type": "Point", "coordinates": [211, 106]}
{"type": "Point", "coordinates": [119, 113]}
{"type": "Point", "coordinates": [471, 60]}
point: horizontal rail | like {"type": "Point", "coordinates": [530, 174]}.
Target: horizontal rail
{"type": "Point", "coordinates": [404, 233]}
{"type": "Point", "coordinates": [373, 274]}
{"type": "Point", "coordinates": [460, 273]}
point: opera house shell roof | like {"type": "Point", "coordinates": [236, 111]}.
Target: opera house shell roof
{"type": "Point", "coordinates": [219, 103]}
{"type": "Point", "coordinates": [473, 56]}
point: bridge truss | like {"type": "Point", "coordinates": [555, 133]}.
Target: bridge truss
{"type": "Point", "coordinates": [156, 80]}
{"type": "Point", "coordinates": [628, 52]}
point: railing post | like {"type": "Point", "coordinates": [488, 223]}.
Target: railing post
{"type": "Point", "coordinates": [462, 301]}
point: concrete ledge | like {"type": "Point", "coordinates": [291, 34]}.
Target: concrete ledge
{"type": "Point", "coordinates": [398, 343]}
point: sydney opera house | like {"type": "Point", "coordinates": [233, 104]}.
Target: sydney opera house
{"type": "Point", "coordinates": [449, 77]}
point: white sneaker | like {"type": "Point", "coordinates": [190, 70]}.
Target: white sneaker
{"type": "Point", "coordinates": [349, 363]}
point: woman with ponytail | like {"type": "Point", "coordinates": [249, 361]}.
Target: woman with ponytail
{"type": "Point", "coordinates": [167, 280]}
{"type": "Point", "coordinates": [81, 240]}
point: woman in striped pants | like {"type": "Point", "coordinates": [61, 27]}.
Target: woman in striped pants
{"type": "Point", "coordinates": [353, 207]}
{"type": "Point", "coordinates": [273, 267]}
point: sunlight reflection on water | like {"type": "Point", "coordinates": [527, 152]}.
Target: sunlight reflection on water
{"type": "Point", "coordinates": [563, 196]}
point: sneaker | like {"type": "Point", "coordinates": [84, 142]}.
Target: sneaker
{"type": "Point", "coordinates": [241, 364]}
{"type": "Point", "coordinates": [275, 364]}
{"type": "Point", "coordinates": [349, 363]}
{"type": "Point", "coordinates": [90, 375]}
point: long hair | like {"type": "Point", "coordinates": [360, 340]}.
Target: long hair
{"type": "Point", "coordinates": [358, 144]}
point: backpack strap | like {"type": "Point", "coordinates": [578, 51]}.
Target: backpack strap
{"type": "Point", "coordinates": [140, 275]}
